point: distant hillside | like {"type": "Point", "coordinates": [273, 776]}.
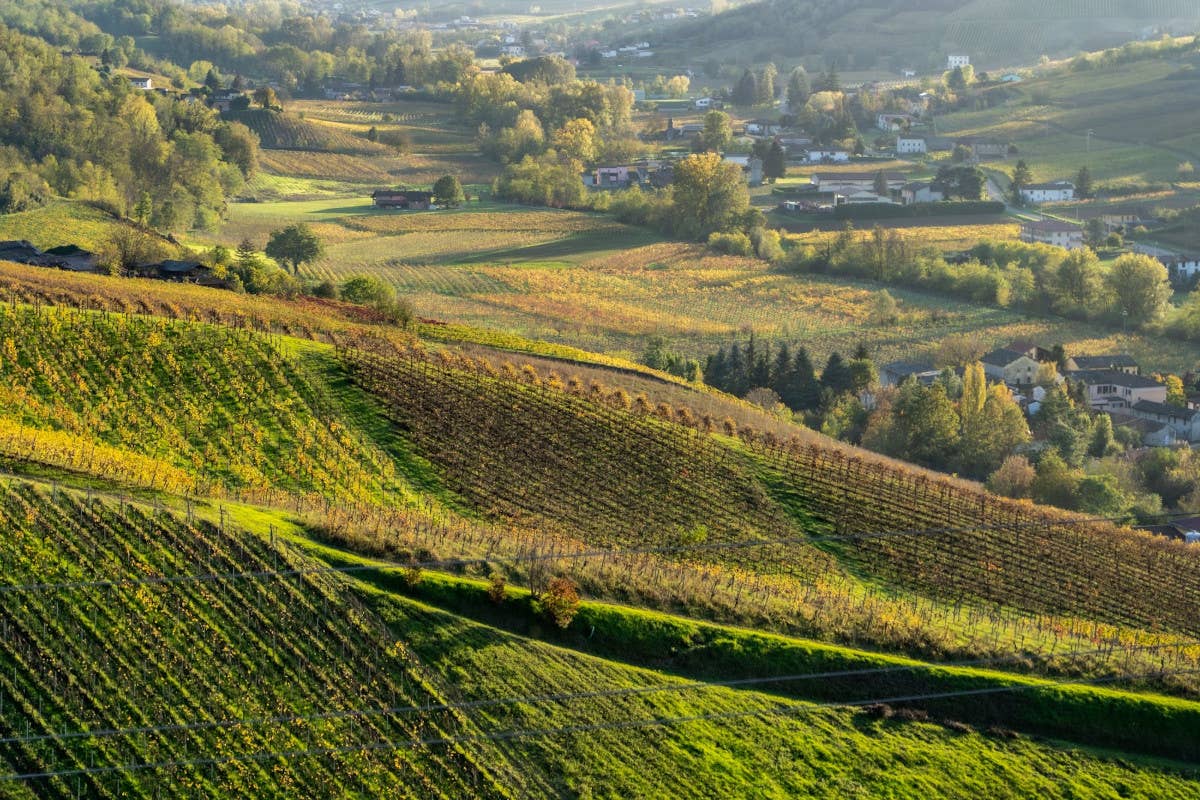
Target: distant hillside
{"type": "Point", "coordinates": [863, 35]}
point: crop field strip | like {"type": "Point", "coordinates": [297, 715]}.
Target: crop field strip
{"type": "Point", "coordinates": [1036, 583]}
{"type": "Point", "coordinates": [102, 658]}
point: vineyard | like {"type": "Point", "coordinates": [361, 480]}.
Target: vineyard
{"type": "Point", "coordinates": [568, 457]}
{"type": "Point", "coordinates": [102, 652]}
{"type": "Point", "coordinates": [218, 409]}
{"type": "Point", "coordinates": [114, 683]}
{"type": "Point", "coordinates": [279, 130]}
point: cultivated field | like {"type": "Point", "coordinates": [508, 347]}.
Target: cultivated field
{"type": "Point", "coordinates": [581, 279]}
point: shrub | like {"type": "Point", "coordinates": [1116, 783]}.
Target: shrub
{"type": "Point", "coordinates": [734, 244]}
{"type": "Point", "coordinates": [560, 602]}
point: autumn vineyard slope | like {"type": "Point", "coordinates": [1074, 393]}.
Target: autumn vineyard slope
{"type": "Point", "coordinates": [143, 626]}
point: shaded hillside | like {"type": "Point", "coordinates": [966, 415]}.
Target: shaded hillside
{"type": "Point", "coordinates": [891, 35]}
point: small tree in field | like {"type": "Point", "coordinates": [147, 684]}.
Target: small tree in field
{"type": "Point", "coordinates": [560, 603]}
{"type": "Point", "coordinates": [448, 192]}
{"type": "Point", "coordinates": [294, 245]}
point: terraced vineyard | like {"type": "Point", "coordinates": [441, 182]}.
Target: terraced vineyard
{"type": "Point", "coordinates": [178, 406]}
{"type": "Point", "coordinates": [207, 672]}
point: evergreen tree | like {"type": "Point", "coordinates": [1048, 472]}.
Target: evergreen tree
{"type": "Point", "coordinates": [1083, 184]}
{"type": "Point", "coordinates": [833, 81]}
{"type": "Point", "coordinates": [798, 90]}
{"type": "Point", "coordinates": [801, 391]}
{"type": "Point", "coordinates": [836, 376]}
{"type": "Point", "coordinates": [781, 370]}
{"type": "Point", "coordinates": [746, 91]}
{"type": "Point", "coordinates": [1021, 178]}
{"type": "Point", "coordinates": [735, 372]}
{"type": "Point", "coordinates": [775, 162]}
{"type": "Point", "coordinates": [714, 369]}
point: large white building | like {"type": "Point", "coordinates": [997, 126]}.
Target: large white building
{"type": "Point", "coordinates": [911, 145]}
{"type": "Point", "coordinates": [957, 61]}
{"type": "Point", "coordinates": [1056, 192]}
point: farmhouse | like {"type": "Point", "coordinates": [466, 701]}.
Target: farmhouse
{"type": "Point", "coordinates": [1184, 423]}
{"type": "Point", "coordinates": [1011, 367]}
{"type": "Point", "coordinates": [71, 258]}
{"type": "Point", "coordinates": [1110, 390]}
{"type": "Point", "coordinates": [1056, 192]}
{"type": "Point", "coordinates": [20, 251]}
{"type": "Point", "coordinates": [828, 156]}
{"type": "Point", "coordinates": [921, 192]}
{"type": "Point", "coordinates": [402, 198]}
{"type": "Point", "coordinates": [1049, 231]}
{"type": "Point", "coordinates": [1120, 362]}
{"type": "Point", "coordinates": [145, 84]}
{"type": "Point", "coordinates": [616, 177]}
{"type": "Point", "coordinates": [911, 145]}
{"type": "Point", "coordinates": [1180, 530]}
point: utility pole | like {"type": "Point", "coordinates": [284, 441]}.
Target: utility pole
{"type": "Point", "coordinates": [1090, 134]}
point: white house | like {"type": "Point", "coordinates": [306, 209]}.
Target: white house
{"type": "Point", "coordinates": [1180, 267]}
{"type": "Point", "coordinates": [142, 83]}
{"type": "Point", "coordinates": [1055, 192]}
{"type": "Point", "coordinates": [1183, 422]}
{"type": "Point", "coordinates": [957, 61]}
{"type": "Point", "coordinates": [703, 102]}
{"type": "Point", "coordinates": [821, 156]}
{"type": "Point", "coordinates": [1049, 231]}
{"type": "Point", "coordinates": [1110, 390]}
{"type": "Point", "coordinates": [921, 192]}
{"type": "Point", "coordinates": [911, 145]}
{"type": "Point", "coordinates": [865, 197]}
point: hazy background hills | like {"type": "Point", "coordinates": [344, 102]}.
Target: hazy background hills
{"type": "Point", "coordinates": [865, 35]}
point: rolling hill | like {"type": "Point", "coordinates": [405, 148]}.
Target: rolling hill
{"type": "Point", "coordinates": [265, 565]}
{"type": "Point", "coordinates": [885, 35]}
